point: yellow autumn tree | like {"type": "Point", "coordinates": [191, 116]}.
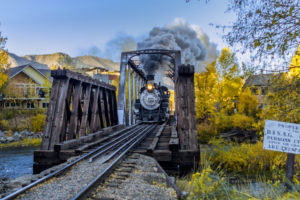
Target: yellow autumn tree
{"type": "Point", "coordinates": [221, 102]}
{"type": "Point", "coordinates": [283, 98]}
{"type": "Point", "coordinates": [3, 61]}
{"type": "Point", "coordinates": [205, 92]}
{"type": "Point", "coordinates": [230, 81]}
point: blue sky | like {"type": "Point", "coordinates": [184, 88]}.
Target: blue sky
{"type": "Point", "coordinates": [71, 26]}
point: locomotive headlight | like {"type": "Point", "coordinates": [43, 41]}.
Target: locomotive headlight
{"type": "Point", "coordinates": [150, 87]}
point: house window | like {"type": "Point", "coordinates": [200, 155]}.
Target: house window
{"type": "Point", "coordinates": [7, 105]}
{"type": "Point", "coordinates": [18, 104]}
{"type": "Point", "coordinates": [41, 93]}
{"type": "Point", "coordinates": [30, 105]}
{"type": "Point", "coordinates": [264, 91]}
{"type": "Point", "coordinates": [12, 104]}
{"type": "Point", "coordinates": [45, 105]}
{"type": "Point", "coordinates": [254, 90]}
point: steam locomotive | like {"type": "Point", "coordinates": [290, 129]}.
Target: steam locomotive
{"type": "Point", "coordinates": [153, 104]}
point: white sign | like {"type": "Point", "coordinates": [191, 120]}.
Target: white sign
{"type": "Point", "coordinates": [282, 136]}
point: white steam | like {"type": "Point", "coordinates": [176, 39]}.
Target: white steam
{"type": "Point", "coordinates": [189, 39]}
{"type": "Point", "coordinates": [194, 45]}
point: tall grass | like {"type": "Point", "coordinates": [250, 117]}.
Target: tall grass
{"type": "Point", "coordinates": [233, 171]}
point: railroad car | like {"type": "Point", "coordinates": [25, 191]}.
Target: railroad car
{"type": "Point", "coordinates": [153, 104]}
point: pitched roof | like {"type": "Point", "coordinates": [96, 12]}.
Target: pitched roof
{"type": "Point", "coordinates": [16, 70]}
{"type": "Point", "coordinates": [260, 79]}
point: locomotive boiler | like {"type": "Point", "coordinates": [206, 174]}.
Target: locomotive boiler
{"type": "Point", "coordinates": [153, 104]}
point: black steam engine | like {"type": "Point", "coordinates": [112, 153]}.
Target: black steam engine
{"type": "Point", "coordinates": [153, 104]}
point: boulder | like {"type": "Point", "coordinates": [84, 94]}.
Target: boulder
{"type": "Point", "coordinates": [3, 140]}
{"type": "Point", "coordinates": [2, 134]}
{"type": "Point", "coordinates": [17, 136]}
{"type": "Point", "coordinates": [24, 133]}
{"type": "Point", "coordinates": [31, 134]}
{"type": "Point", "coordinates": [10, 139]}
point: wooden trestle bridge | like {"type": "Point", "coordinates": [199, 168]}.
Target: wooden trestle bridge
{"type": "Point", "coordinates": [84, 112]}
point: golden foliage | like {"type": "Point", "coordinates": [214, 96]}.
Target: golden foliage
{"type": "Point", "coordinates": [283, 99]}
{"type": "Point", "coordinates": [206, 185]}
{"type": "Point", "coordinates": [205, 92]}
{"type": "Point", "coordinates": [242, 121]}
{"type": "Point", "coordinates": [247, 103]}
{"type": "Point", "coordinates": [3, 64]}
{"type": "Point", "coordinates": [26, 142]}
{"type": "Point", "coordinates": [248, 158]}
{"type": "Point", "coordinates": [206, 132]}
{"type": "Point", "coordinates": [37, 122]}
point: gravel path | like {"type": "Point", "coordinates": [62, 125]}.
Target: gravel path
{"type": "Point", "coordinates": [144, 182]}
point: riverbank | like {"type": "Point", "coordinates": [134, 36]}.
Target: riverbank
{"type": "Point", "coordinates": [25, 142]}
{"type": "Point", "coordinates": [22, 139]}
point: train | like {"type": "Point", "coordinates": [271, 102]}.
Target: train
{"type": "Point", "coordinates": [153, 104]}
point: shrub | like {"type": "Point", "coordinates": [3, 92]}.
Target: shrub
{"type": "Point", "coordinates": [242, 121]}
{"type": "Point", "coordinates": [249, 159]}
{"type": "Point", "coordinates": [207, 185]}
{"type": "Point", "coordinates": [4, 124]}
{"type": "Point", "coordinates": [222, 122]}
{"type": "Point", "coordinates": [26, 142]}
{"type": "Point", "coordinates": [206, 132]}
{"type": "Point", "coordinates": [37, 122]}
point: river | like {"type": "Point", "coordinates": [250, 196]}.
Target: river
{"type": "Point", "coordinates": [16, 162]}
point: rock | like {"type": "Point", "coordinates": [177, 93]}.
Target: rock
{"type": "Point", "coordinates": [10, 139]}
{"type": "Point", "coordinates": [2, 134]}
{"type": "Point", "coordinates": [17, 136]}
{"type": "Point", "coordinates": [172, 179]}
{"type": "Point", "coordinates": [3, 140]}
{"type": "Point", "coordinates": [24, 133]}
{"type": "Point", "coordinates": [8, 133]}
{"type": "Point", "coordinates": [184, 194]}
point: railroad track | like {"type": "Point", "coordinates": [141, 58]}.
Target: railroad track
{"type": "Point", "coordinates": [77, 179]}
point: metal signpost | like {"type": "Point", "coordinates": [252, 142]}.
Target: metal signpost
{"type": "Point", "coordinates": [283, 137]}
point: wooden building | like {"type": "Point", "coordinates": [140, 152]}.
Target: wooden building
{"type": "Point", "coordinates": [27, 88]}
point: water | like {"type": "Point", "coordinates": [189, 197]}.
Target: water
{"type": "Point", "coordinates": [16, 162]}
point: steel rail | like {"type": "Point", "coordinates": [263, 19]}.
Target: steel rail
{"type": "Point", "coordinates": [119, 141]}
{"type": "Point", "coordinates": [119, 149]}
{"type": "Point", "coordinates": [61, 170]}
{"type": "Point", "coordinates": [86, 190]}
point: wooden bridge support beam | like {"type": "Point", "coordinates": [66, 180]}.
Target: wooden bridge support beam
{"type": "Point", "coordinates": [73, 130]}
{"type": "Point", "coordinates": [94, 116]}
{"type": "Point", "coordinates": [77, 108]}
{"type": "Point", "coordinates": [185, 107]}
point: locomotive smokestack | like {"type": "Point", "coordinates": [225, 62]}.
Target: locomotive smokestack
{"type": "Point", "coordinates": [150, 77]}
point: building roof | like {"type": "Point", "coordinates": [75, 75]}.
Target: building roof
{"type": "Point", "coordinates": [259, 80]}
{"type": "Point", "coordinates": [16, 70]}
